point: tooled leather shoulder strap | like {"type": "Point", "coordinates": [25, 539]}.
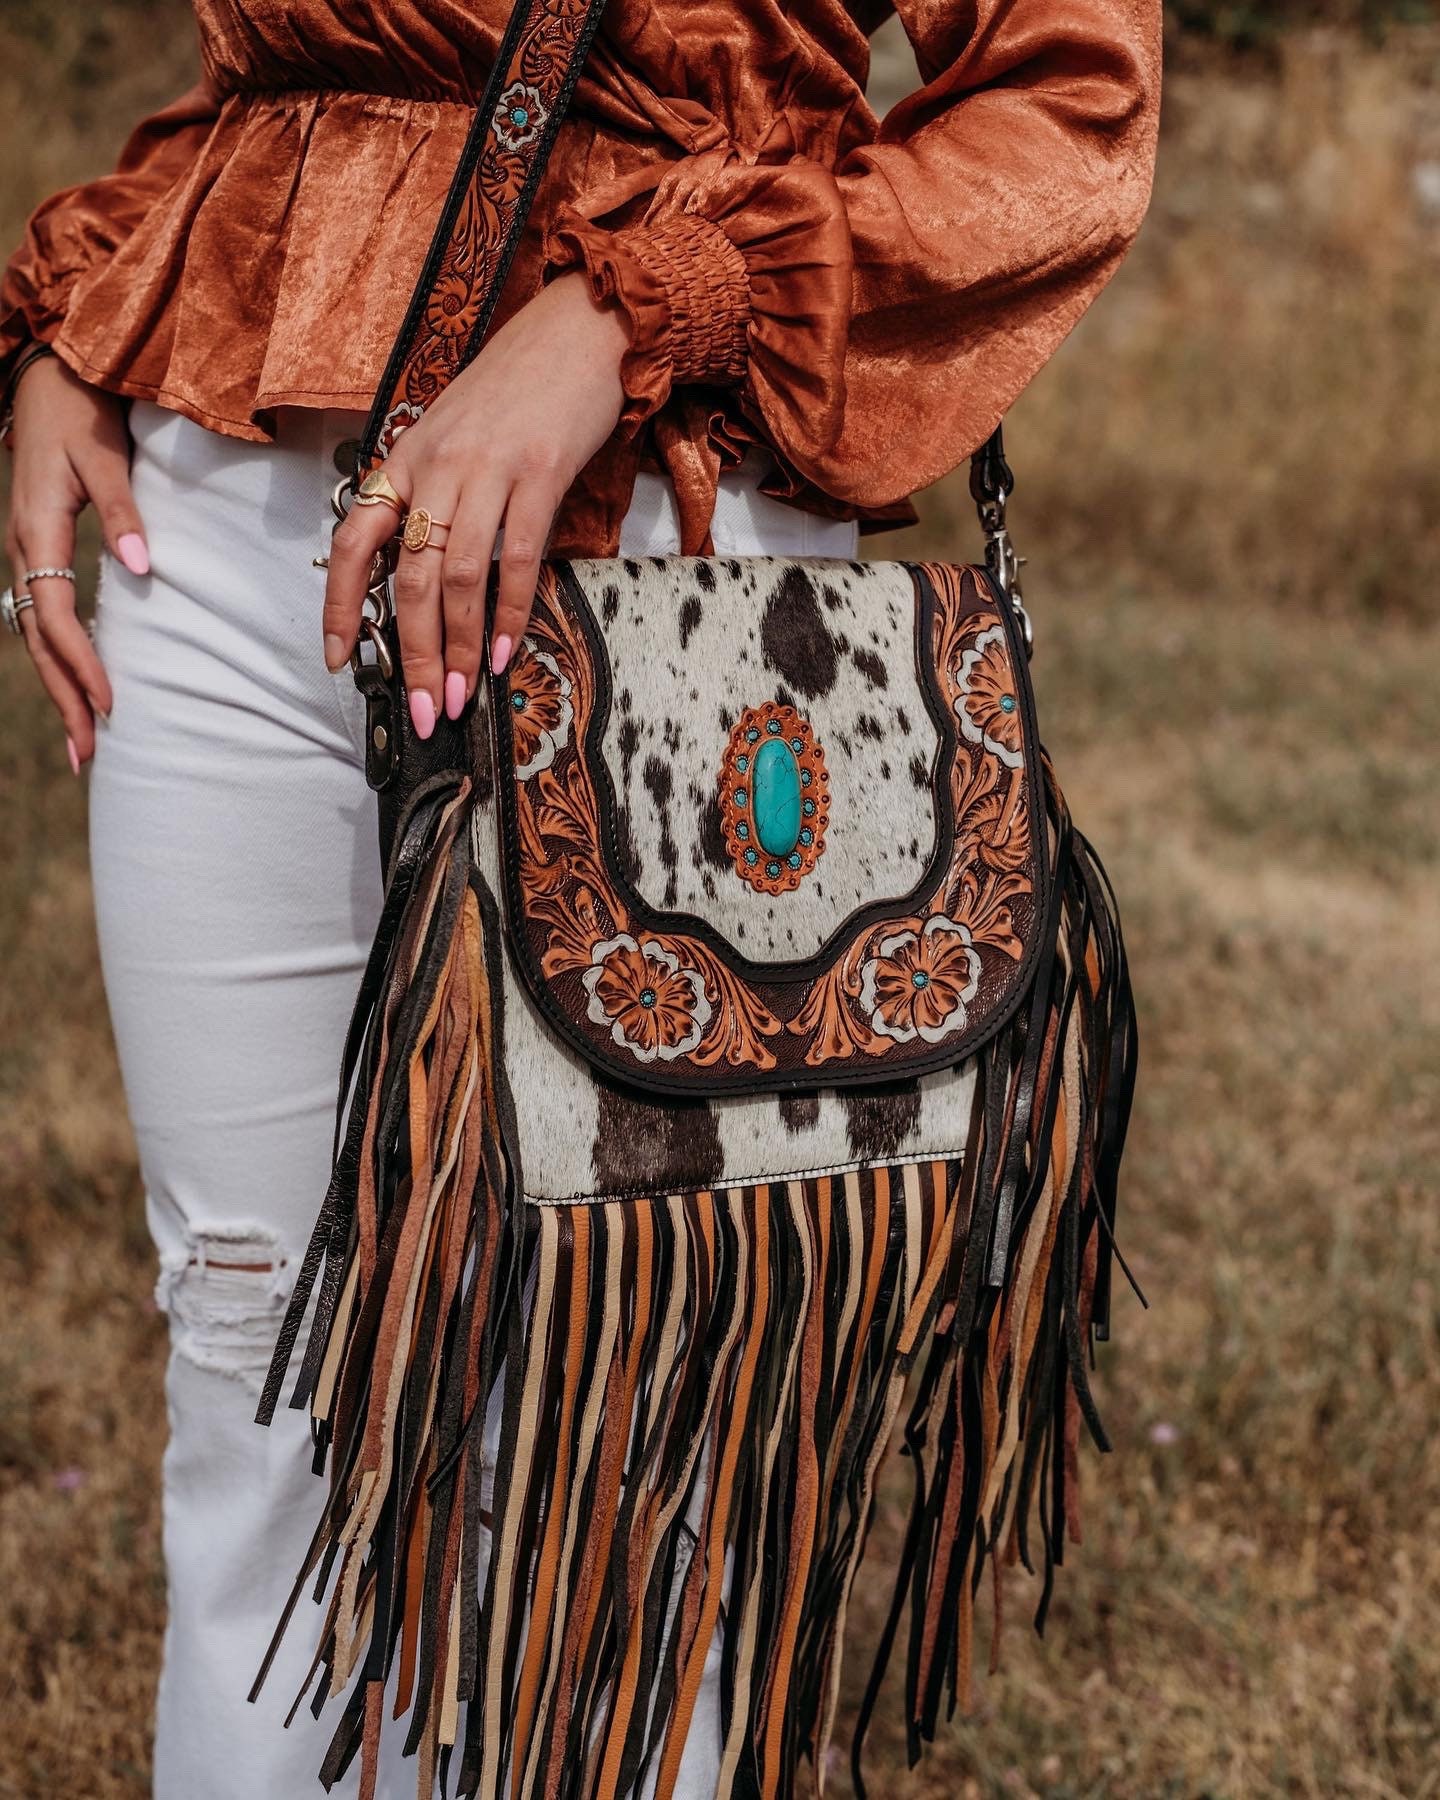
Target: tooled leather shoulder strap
{"type": "Point", "coordinates": [509, 143]}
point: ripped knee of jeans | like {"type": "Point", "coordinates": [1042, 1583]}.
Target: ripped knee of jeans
{"type": "Point", "coordinates": [225, 1292]}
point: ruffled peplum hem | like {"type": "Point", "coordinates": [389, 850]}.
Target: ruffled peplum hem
{"type": "Point", "coordinates": [275, 272]}
{"type": "Point", "coordinates": [259, 253]}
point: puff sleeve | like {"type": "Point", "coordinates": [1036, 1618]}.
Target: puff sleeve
{"type": "Point", "coordinates": [82, 227]}
{"type": "Point", "coordinates": [878, 319]}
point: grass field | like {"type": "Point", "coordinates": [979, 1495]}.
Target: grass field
{"type": "Point", "coordinates": [1231, 499]}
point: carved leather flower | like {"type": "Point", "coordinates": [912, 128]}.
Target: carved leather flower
{"type": "Point", "coordinates": [987, 703]}
{"type": "Point", "coordinates": [918, 982]}
{"type": "Point", "coordinates": [397, 421]}
{"type": "Point", "coordinates": [541, 713]}
{"type": "Point", "coordinates": [519, 115]}
{"type": "Point", "coordinates": [654, 1006]}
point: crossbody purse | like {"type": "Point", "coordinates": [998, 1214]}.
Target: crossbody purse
{"type": "Point", "coordinates": [746, 1045]}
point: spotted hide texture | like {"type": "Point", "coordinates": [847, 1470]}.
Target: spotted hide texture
{"type": "Point", "coordinates": [691, 646]}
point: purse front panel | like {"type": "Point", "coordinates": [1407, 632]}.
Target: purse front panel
{"type": "Point", "coordinates": [902, 901]}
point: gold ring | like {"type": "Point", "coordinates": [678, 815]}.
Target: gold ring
{"type": "Point", "coordinates": [418, 526]}
{"type": "Point", "coordinates": [377, 489]}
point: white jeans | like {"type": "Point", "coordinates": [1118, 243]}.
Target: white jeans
{"type": "Point", "coordinates": [237, 884]}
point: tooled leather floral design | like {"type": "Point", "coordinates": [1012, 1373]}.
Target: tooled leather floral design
{"type": "Point", "coordinates": [986, 701]}
{"type": "Point", "coordinates": [896, 988]}
{"type": "Point", "coordinates": [519, 115]}
{"type": "Point", "coordinates": [917, 983]}
{"type": "Point", "coordinates": [398, 421]}
{"type": "Point", "coordinates": [651, 1004]}
{"type": "Point", "coordinates": [540, 711]}
{"type": "Point", "coordinates": [452, 311]}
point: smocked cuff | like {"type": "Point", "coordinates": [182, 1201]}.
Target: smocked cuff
{"type": "Point", "coordinates": [685, 289]}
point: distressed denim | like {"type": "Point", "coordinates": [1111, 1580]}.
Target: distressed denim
{"type": "Point", "coordinates": [237, 885]}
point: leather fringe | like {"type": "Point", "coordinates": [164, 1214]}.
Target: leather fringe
{"type": "Point", "coordinates": [682, 1382]}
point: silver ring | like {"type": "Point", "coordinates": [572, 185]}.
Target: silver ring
{"type": "Point", "coordinates": [48, 575]}
{"type": "Point", "coordinates": [11, 607]}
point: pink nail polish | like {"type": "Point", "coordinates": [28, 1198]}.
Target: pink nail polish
{"type": "Point", "coordinates": [500, 655]}
{"type": "Point", "coordinates": [454, 694]}
{"type": "Point", "coordinates": [422, 712]}
{"type": "Point", "coordinates": [132, 552]}
{"type": "Point", "coordinates": [73, 754]}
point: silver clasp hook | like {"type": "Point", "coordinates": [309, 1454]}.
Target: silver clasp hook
{"type": "Point", "coordinates": [1003, 562]}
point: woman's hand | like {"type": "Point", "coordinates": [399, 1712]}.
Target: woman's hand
{"type": "Point", "coordinates": [499, 447]}
{"type": "Point", "coordinates": [71, 449]}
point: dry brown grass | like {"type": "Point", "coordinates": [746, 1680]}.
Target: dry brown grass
{"type": "Point", "coordinates": [1230, 492]}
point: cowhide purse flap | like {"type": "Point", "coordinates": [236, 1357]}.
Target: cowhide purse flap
{"type": "Point", "coordinates": [767, 823]}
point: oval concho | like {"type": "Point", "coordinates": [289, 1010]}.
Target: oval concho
{"type": "Point", "coordinates": [774, 798]}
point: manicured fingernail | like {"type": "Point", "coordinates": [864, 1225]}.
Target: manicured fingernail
{"type": "Point", "coordinates": [133, 554]}
{"type": "Point", "coordinates": [454, 694]}
{"type": "Point", "coordinates": [73, 754]}
{"type": "Point", "coordinates": [422, 711]}
{"type": "Point", "coordinates": [335, 652]}
{"type": "Point", "coordinates": [499, 654]}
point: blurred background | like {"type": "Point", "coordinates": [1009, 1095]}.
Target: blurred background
{"type": "Point", "coordinates": [1229, 492]}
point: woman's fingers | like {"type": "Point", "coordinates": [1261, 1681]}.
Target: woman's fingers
{"type": "Point", "coordinates": [418, 612]}
{"type": "Point", "coordinates": [47, 541]}
{"type": "Point", "coordinates": [464, 580]}
{"type": "Point", "coordinates": [357, 539]}
{"type": "Point", "coordinates": [529, 515]}
{"type": "Point", "coordinates": [66, 694]}
{"type": "Point", "coordinates": [104, 470]}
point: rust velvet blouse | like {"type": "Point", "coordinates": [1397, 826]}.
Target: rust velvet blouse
{"type": "Point", "coordinates": [864, 297]}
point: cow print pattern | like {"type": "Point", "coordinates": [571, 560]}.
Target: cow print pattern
{"type": "Point", "coordinates": [836, 641]}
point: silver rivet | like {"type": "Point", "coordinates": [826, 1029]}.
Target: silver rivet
{"type": "Point", "coordinates": [380, 737]}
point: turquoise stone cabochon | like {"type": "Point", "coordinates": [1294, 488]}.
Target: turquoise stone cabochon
{"type": "Point", "coordinates": [776, 804]}
{"type": "Point", "coordinates": [774, 797]}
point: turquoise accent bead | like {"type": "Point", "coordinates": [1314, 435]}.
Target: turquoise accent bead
{"type": "Point", "coordinates": [793, 859]}
{"type": "Point", "coordinates": [647, 997]}
{"type": "Point", "coordinates": [797, 745]}
{"type": "Point", "coordinates": [773, 727]}
{"type": "Point", "coordinates": [808, 808]}
{"type": "Point", "coordinates": [742, 763]}
{"type": "Point", "coordinates": [519, 116]}
{"type": "Point", "coordinates": [920, 979]}
{"type": "Point", "coordinates": [805, 777]}
{"type": "Point", "coordinates": [772, 869]}
{"type": "Point", "coordinates": [751, 735]}
{"type": "Point", "coordinates": [777, 798]}
{"type": "Point", "coordinates": [741, 797]}
{"type": "Point", "coordinates": [518, 702]}
{"type": "Point", "coordinates": [1007, 703]}
{"type": "Point", "coordinates": [807, 836]}
{"type": "Point", "coordinates": [742, 830]}
{"type": "Point", "coordinates": [752, 856]}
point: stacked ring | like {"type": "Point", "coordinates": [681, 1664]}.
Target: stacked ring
{"type": "Point", "coordinates": [377, 489]}
{"type": "Point", "coordinates": [419, 526]}
{"type": "Point", "coordinates": [48, 575]}
{"type": "Point", "coordinates": [11, 607]}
